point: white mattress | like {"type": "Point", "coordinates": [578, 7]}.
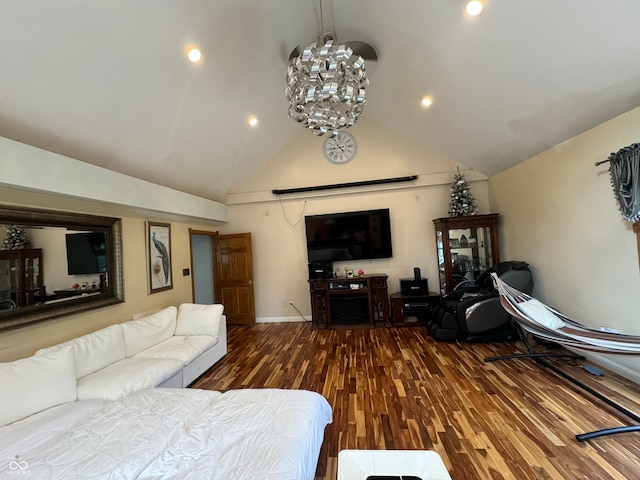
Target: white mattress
{"type": "Point", "coordinates": [171, 434]}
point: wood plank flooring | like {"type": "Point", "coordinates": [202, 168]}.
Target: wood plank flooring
{"type": "Point", "coordinates": [396, 388]}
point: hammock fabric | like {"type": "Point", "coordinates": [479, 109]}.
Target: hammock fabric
{"type": "Point", "coordinates": [544, 322]}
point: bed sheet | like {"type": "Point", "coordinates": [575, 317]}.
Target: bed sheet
{"type": "Point", "coordinates": [171, 434]}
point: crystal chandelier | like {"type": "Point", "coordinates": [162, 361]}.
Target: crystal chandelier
{"type": "Point", "coordinates": [326, 86]}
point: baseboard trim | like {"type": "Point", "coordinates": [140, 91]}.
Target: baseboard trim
{"type": "Point", "coordinates": [609, 364]}
{"type": "Point", "coordinates": [282, 319]}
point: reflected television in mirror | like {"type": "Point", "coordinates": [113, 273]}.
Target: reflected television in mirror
{"type": "Point", "coordinates": [86, 253]}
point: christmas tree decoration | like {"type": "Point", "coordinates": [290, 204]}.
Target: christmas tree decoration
{"type": "Point", "coordinates": [462, 200]}
{"type": "Point", "coordinates": [14, 238]}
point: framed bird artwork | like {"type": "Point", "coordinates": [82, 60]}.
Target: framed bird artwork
{"type": "Point", "coordinates": [159, 256]}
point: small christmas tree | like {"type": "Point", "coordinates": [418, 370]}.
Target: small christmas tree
{"type": "Point", "coordinates": [462, 200]}
{"type": "Point", "coordinates": [14, 238]}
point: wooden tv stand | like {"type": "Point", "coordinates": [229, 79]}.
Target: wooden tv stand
{"type": "Point", "coordinates": [349, 302]}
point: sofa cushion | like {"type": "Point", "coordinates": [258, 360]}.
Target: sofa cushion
{"type": "Point", "coordinates": [33, 384]}
{"type": "Point", "coordinates": [148, 331]}
{"type": "Point", "coordinates": [95, 350]}
{"type": "Point", "coordinates": [196, 319]}
{"type": "Point", "coordinates": [185, 349]}
{"type": "Point", "coordinates": [126, 376]}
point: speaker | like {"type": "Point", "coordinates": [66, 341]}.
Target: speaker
{"type": "Point", "coordinates": [414, 286]}
{"type": "Point", "coordinates": [321, 270]}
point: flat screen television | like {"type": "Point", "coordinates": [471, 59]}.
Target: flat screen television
{"type": "Point", "coordinates": [86, 253]}
{"type": "Point", "coordinates": [348, 236]}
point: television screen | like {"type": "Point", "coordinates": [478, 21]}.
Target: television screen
{"type": "Point", "coordinates": [348, 236]}
{"type": "Point", "coordinates": [86, 253]}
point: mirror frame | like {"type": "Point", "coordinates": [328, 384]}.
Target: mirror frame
{"type": "Point", "coordinates": [31, 217]}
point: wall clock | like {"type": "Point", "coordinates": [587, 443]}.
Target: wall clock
{"type": "Point", "coordinates": [340, 148]}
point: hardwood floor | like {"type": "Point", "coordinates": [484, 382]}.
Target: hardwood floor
{"type": "Point", "coordinates": [396, 388]}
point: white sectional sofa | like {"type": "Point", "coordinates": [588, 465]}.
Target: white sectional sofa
{"type": "Point", "coordinates": [169, 348]}
{"type": "Point", "coordinates": [82, 409]}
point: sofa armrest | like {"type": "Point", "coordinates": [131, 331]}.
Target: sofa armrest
{"type": "Point", "coordinates": [486, 315]}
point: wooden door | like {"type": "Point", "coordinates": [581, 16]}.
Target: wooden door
{"type": "Point", "coordinates": [234, 277]}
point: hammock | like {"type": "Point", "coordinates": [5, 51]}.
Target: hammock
{"type": "Point", "coordinates": [544, 322]}
{"type": "Point", "coordinates": [548, 324]}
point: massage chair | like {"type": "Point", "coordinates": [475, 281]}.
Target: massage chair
{"type": "Point", "coordinates": [473, 312]}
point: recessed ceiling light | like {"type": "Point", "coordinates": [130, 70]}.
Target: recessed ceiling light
{"type": "Point", "coordinates": [427, 101]}
{"type": "Point", "coordinates": [194, 55]}
{"type": "Point", "coordinates": [253, 121]}
{"type": "Point", "coordinates": [474, 7]}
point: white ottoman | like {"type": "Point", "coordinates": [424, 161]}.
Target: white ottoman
{"type": "Point", "coordinates": [397, 464]}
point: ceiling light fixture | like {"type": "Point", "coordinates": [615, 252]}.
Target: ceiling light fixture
{"type": "Point", "coordinates": [253, 121]}
{"type": "Point", "coordinates": [474, 7]}
{"type": "Point", "coordinates": [326, 85]}
{"type": "Point", "coordinates": [427, 101]}
{"type": "Point", "coordinates": [194, 55]}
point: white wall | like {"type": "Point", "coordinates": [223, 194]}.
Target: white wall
{"type": "Point", "coordinates": [559, 213]}
{"type": "Point", "coordinates": [33, 169]}
{"type": "Point", "coordinates": [277, 224]}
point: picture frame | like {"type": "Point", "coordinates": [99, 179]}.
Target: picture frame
{"type": "Point", "coordinates": [158, 248]}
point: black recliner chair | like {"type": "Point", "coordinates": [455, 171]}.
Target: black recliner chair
{"type": "Point", "coordinates": [473, 313]}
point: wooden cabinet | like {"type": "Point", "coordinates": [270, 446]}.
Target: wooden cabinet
{"type": "Point", "coordinates": [20, 275]}
{"type": "Point", "coordinates": [412, 310]}
{"type": "Point", "coordinates": [466, 246]}
{"type": "Point", "coordinates": [337, 302]}
{"type": "Point", "coordinates": [76, 292]}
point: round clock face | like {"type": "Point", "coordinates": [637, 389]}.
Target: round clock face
{"type": "Point", "coordinates": [340, 148]}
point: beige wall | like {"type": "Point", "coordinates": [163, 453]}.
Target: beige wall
{"type": "Point", "coordinates": [559, 214]}
{"type": "Point", "coordinates": [277, 225]}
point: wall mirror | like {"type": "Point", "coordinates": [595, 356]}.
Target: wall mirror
{"type": "Point", "coordinates": [57, 263]}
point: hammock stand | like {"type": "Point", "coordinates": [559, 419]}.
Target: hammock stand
{"type": "Point", "coordinates": [571, 334]}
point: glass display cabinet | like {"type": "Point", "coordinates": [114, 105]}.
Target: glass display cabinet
{"type": "Point", "coordinates": [466, 247]}
{"type": "Point", "coordinates": [20, 276]}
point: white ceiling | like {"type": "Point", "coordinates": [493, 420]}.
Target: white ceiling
{"type": "Point", "coordinates": [108, 83]}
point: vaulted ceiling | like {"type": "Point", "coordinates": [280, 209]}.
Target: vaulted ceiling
{"type": "Point", "coordinates": [108, 82]}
